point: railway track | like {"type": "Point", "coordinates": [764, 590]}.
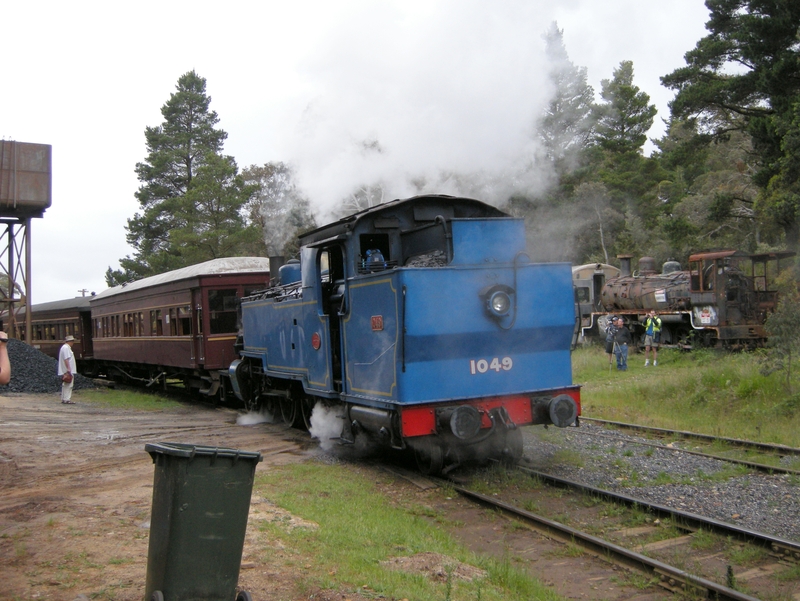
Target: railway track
{"type": "Point", "coordinates": [764, 449]}
{"type": "Point", "coordinates": [781, 556]}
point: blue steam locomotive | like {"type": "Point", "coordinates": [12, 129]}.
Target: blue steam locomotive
{"type": "Point", "coordinates": [423, 325]}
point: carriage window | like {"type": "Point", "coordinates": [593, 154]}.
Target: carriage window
{"type": "Point", "coordinates": [173, 321]}
{"type": "Point", "coordinates": [155, 323]}
{"type": "Point", "coordinates": [222, 307]}
{"type": "Point", "coordinates": [184, 321]}
{"type": "Point", "coordinates": [581, 294]}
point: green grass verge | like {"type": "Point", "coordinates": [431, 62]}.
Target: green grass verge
{"type": "Point", "coordinates": [718, 393]}
{"type": "Point", "coordinates": [360, 527]}
{"type": "Point", "coordinates": [127, 399]}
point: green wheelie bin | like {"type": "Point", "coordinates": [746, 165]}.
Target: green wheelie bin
{"type": "Point", "coordinates": [201, 500]}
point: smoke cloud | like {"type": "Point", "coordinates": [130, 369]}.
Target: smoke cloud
{"type": "Point", "coordinates": [403, 107]}
{"type": "Point", "coordinates": [255, 417]}
{"type": "Point", "coordinates": [326, 426]}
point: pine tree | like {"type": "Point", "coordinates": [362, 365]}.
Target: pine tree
{"type": "Point", "coordinates": [565, 127]}
{"type": "Point", "coordinates": [626, 115]}
{"type": "Point", "coordinates": [281, 211]}
{"type": "Point", "coordinates": [744, 76]}
{"type": "Point", "coordinates": [191, 195]}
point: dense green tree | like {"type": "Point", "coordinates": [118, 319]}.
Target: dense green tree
{"type": "Point", "coordinates": [783, 327]}
{"type": "Point", "coordinates": [566, 125]}
{"type": "Point", "coordinates": [745, 76]}
{"type": "Point", "coordinates": [625, 115]}
{"type": "Point", "coordinates": [191, 198]}
{"type": "Point", "coordinates": [707, 192]}
{"type": "Point", "coordinates": [281, 211]}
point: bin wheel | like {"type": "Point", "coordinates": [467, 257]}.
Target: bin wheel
{"type": "Point", "coordinates": [244, 596]}
{"type": "Point", "coordinates": [157, 596]}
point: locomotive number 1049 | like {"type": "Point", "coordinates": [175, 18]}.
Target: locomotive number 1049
{"type": "Point", "coordinates": [481, 366]}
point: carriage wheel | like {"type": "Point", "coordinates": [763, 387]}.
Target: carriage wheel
{"type": "Point", "coordinates": [429, 457]}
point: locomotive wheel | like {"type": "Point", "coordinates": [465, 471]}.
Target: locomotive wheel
{"type": "Point", "coordinates": [289, 410]}
{"type": "Point", "coordinates": [429, 457]}
{"type": "Point", "coordinates": [244, 596]}
{"type": "Point", "coordinates": [307, 408]}
{"type": "Point", "coordinates": [157, 596]}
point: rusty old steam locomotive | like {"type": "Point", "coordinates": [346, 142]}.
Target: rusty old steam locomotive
{"type": "Point", "coordinates": [722, 299]}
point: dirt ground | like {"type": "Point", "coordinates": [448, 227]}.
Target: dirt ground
{"type": "Point", "coordinates": [76, 490]}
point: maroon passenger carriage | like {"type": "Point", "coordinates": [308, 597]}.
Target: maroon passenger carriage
{"type": "Point", "coordinates": [53, 321]}
{"type": "Point", "coordinates": [175, 326]}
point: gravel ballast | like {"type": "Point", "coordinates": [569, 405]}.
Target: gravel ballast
{"type": "Point", "coordinates": [619, 462]}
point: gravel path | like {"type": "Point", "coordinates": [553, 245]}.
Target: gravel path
{"type": "Point", "coordinates": [615, 462]}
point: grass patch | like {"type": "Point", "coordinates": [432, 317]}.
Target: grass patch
{"type": "Point", "coordinates": [747, 555]}
{"type": "Point", "coordinates": [719, 393]}
{"type": "Point", "coordinates": [359, 528]}
{"type": "Point", "coordinates": [128, 399]}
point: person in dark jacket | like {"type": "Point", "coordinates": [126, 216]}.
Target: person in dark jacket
{"type": "Point", "coordinates": [622, 339]}
{"type": "Point", "coordinates": [611, 331]}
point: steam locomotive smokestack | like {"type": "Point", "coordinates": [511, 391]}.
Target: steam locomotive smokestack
{"type": "Point", "coordinates": [624, 264]}
{"type": "Point", "coordinates": [275, 264]}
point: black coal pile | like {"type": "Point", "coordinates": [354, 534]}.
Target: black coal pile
{"type": "Point", "coordinates": [33, 371]}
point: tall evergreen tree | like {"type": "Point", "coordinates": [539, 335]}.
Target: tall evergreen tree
{"type": "Point", "coordinates": [565, 127]}
{"type": "Point", "coordinates": [625, 116]}
{"type": "Point", "coordinates": [745, 76]}
{"type": "Point", "coordinates": [279, 208]}
{"type": "Point", "coordinates": [191, 194]}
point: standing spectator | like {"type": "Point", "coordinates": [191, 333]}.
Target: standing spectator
{"type": "Point", "coordinates": [652, 336]}
{"type": "Point", "coordinates": [611, 331]}
{"type": "Point", "coordinates": [5, 365]}
{"type": "Point", "coordinates": [622, 338]}
{"type": "Point", "coordinates": [67, 370]}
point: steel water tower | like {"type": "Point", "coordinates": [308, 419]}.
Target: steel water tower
{"type": "Point", "coordinates": [26, 191]}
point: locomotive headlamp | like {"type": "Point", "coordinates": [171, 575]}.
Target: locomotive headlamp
{"type": "Point", "coordinates": [500, 303]}
{"type": "Point", "coordinates": [497, 300]}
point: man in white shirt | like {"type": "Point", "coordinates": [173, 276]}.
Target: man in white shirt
{"type": "Point", "coordinates": [67, 370]}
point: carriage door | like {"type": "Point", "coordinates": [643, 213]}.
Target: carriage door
{"type": "Point", "coordinates": [198, 346]}
{"type": "Point", "coordinates": [334, 303]}
{"type": "Point", "coordinates": [86, 334]}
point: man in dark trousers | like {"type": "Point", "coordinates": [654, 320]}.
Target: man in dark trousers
{"type": "Point", "coordinates": [622, 339]}
{"type": "Point", "coordinates": [611, 331]}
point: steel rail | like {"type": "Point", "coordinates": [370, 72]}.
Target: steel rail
{"type": "Point", "coordinates": [783, 548]}
{"type": "Point", "coordinates": [739, 442]}
{"type": "Point", "coordinates": [670, 577]}
{"type": "Point", "coordinates": [762, 467]}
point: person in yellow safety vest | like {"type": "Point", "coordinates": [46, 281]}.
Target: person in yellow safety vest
{"type": "Point", "coordinates": [652, 336]}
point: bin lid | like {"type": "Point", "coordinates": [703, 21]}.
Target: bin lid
{"type": "Point", "coordinates": [189, 451]}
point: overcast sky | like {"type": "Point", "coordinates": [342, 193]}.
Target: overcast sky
{"type": "Point", "coordinates": [442, 85]}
